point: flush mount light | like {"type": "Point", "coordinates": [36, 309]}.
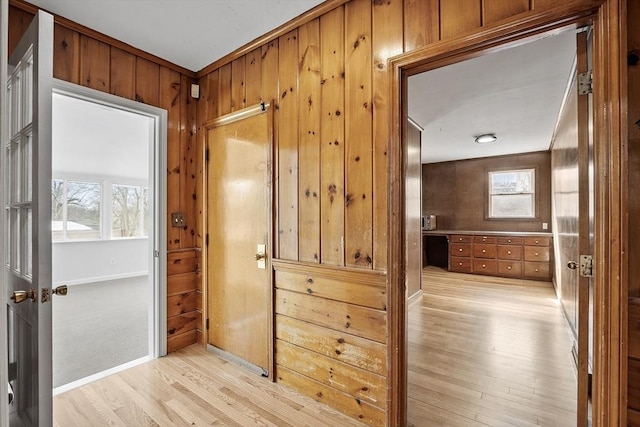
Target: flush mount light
{"type": "Point", "coordinates": [487, 138]}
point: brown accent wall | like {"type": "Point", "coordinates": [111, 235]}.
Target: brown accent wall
{"type": "Point", "coordinates": [633, 382]}
{"type": "Point", "coordinates": [456, 192]}
{"type": "Point", "coordinates": [90, 59]}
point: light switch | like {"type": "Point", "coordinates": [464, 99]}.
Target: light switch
{"type": "Point", "coordinates": [177, 219]}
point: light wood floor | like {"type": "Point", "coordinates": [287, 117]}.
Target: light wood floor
{"type": "Point", "coordinates": [190, 388]}
{"type": "Point", "coordinates": [488, 351]}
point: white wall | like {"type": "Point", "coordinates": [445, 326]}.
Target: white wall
{"type": "Point", "coordinates": [99, 260]}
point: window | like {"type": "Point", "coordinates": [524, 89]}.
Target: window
{"type": "Point", "coordinates": [130, 210]}
{"type": "Point", "coordinates": [75, 210]}
{"type": "Point", "coordinates": [512, 194]}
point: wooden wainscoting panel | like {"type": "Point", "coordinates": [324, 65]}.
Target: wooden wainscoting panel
{"type": "Point", "coordinates": [348, 405]}
{"type": "Point", "coordinates": [360, 321]}
{"type": "Point", "coordinates": [356, 351]}
{"type": "Point", "coordinates": [177, 342]}
{"type": "Point", "coordinates": [353, 293]}
{"type": "Point", "coordinates": [181, 283]}
{"type": "Point", "coordinates": [182, 323]}
{"type": "Point", "coordinates": [353, 381]}
{"type": "Point", "coordinates": [182, 262]}
{"type": "Point", "coordinates": [181, 304]}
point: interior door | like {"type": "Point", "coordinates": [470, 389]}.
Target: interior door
{"type": "Point", "coordinates": [239, 222]}
{"type": "Point", "coordinates": [27, 203]}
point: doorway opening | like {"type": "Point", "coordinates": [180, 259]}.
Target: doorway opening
{"type": "Point", "coordinates": [489, 336]}
{"type": "Point", "coordinates": [108, 231]}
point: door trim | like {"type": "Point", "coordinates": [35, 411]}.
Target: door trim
{"type": "Point", "coordinates": [262, 108]}
{"type": "Point", "coordinates": [610, 282]}
{"type": "Point", "coordinates": [158, 154]}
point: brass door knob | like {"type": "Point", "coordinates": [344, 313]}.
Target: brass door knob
{"type": "Point", "coordinates": [60, 290]}
{"type": "Point", "coordinates": [260, 255]}
{"type": "Point", "coordinates": [21, 296]}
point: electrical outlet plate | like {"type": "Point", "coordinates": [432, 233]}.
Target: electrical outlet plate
{"type": "Point", "coordinates": [177, 219]}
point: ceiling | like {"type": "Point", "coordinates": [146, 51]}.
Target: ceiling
{"type": "Point", "coordinates": [189, 33]}
{"type": "Point", "coordinates": [516, 94]}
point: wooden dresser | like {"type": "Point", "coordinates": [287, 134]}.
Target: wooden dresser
{"type": "Point", "coordinates": [518, 255]}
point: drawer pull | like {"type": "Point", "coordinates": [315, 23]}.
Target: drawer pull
{"type": "Point", "coordinates": [460, 239]}
{"type": "Point", "coordinates": [484, 251]}
{"type": "Point", "coordinates": [537, 241]}
{"type": "Point", "coordinates": [508, 252]}
{"type": "Point", "coordinates": [460, 264]}
{"type": "Point", "coordinates": [460, 249]}
{"type": "Point", "coordinates": [537, 270]}
{"type": "Point", "coordinates": [483, 265]}
{"type": "Point", "coordinates": [509, 268]}
{"type": "Point", "coordinates": [484, 239]}
{"type": "Point", "coordinates": [536, 254]}
{"type": "Point", "coordinates": [509, 241]}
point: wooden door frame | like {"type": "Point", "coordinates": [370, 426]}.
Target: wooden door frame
{"type": "Point", "coordinates": [610, 251]}
{"type": "Point", "coordinates": [262, 108]}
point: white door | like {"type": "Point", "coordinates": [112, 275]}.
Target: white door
{"type": "Point", "coordinates": [27, 203]}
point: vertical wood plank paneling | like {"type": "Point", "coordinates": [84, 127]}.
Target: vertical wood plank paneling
{"type": "Point", "coordinates": [19, 21]}
{"type": "Point", "coordinates": [421, 23]}
{"type": "Point", "coordinates": [270, 90]}
{"type": "Point", "coordinates": [224, 90]}
{"type": "Point", "coordinates": [332, 137]}
{"type": "Point", "coordinates": [309, 140]}
{"type": "Point", "coordinates": [459, 16]}
{"type": "Point", "coordinates": [253, 77]}
{"type": "Point", "coordinates": [189, 157]}
{"type": "Point", "coordinates": [206, 110]}
{"type": "Point", "coordinates": [147, 82]}
{"type": "Point", "coordinates": [542, 4]}
{"type": "Point", "coordinates": [287, 147]}
{"type": "Point", "coordinates": [123, 72]}
{"type": "Point", "coordinates": [238, 98]}
{"type": "Point", "coordinates": [358, 135]}
{"type": "Point", "coordinates": [94, 64]}
{"type": "Point", "coordinates": [170, 101]}
{"type": "Point", "coordinates": [387, 42]}
{"type": "Point", "coordinates": [66, 54]}
{"type": "Point", "coordinates": [495, 10]}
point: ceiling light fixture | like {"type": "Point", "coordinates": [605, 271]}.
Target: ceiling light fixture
{"type": "Point", "coordinates": [487, 138]}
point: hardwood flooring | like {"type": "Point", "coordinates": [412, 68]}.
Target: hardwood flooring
{"type": "Point", "coordinates": [190, 387]}
{"type": "Point", "coordinates": [489, 351]}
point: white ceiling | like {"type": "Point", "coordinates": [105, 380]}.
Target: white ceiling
{"type": "Point", "coordinates": [515, 93]}
{"type": "Point", "coordinates": [189, 33]}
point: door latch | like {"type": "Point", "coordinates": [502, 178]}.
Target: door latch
{"type": "Point", "coordinates": [261, 255]}
{"type": "Point", "coordinates": [586, 265]}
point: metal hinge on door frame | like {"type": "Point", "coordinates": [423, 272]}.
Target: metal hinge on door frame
{"type": "Point", "coordinates": [206, 239]}
{"type": "Point", "coordinates": [206, 155]}
{"type": "Point", "coordinates": [206, 323]}
{"type": "Point", "coordinates": [586, 265]}
{"type": "Point", "coordinates": [585, 83]}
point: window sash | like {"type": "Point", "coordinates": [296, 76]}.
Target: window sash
{"type": "Point", "coordinates": [512, 199]}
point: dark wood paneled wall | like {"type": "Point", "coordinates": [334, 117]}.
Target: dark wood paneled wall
{"type": "Point", "coordinates": [633, 382]}
{"type": "Point", "coordinates": [456, 192]}
{"type": "Point", "coordinates": [90, 59]}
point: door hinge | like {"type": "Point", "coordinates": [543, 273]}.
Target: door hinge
{"type": "Point", "coordinates": [206, 239]}
{"type": "Point", "coordinates": [206, 155]}
{"type": "Point", "coordinates": [585, 83]}
{"type": "Point", "coordinates": [586, 265]}
{"type": "Point", "coordinates": [206, 324]}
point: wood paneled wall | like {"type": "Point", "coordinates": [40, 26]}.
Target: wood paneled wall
{"type": "Point", "coordinates": [329, 81]}
{"type": "Point", "coordinates": [90, 59]}
{"type": "Point", "coordinates": [633, 41]}
{"type": "Point", "coordinates": [456, 192]}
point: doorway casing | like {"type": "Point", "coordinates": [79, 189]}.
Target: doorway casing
{"type": "Point", "coordinates": [158, 231]}
{"type": "Point", "coordinates": [610, 257]}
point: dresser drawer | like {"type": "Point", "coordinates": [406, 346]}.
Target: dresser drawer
{"type": "Point", "coordinates": [484, 239]}
{"type": "Point", "coordinates": [510, 252]}
{"type": "Point", "coordinates": [536, 241]}
{"type": "Point", "coordinates": [539, 270]}
{"type": "Point", "coordinates": [510, 240]}
{"type": "Point", "coordinates": [510, 268]}
{"type": "Point", "coordinates": [458, 238]}
{"type": "Point", "coordinates": [482, 266]}
{"type": "Point", "coordinates": [535, 253]}
{"type": "Point", "coordinates": [461, 265]}
{"type": "Point", "coordinates": [460, 249]}
{"type": "Point", "coordinates": [484, 251]}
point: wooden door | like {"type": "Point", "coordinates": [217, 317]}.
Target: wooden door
{"type": "Point", "coordinates": [27, 204]}
{"type": "Point", "coordinates": [239, 285]}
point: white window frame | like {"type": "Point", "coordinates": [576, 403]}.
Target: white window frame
{"type": "Point", "coordinates": [491, 193]}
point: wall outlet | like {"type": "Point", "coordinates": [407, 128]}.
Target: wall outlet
{"type": "Point", "coordinates": [545, 225]}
